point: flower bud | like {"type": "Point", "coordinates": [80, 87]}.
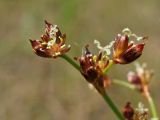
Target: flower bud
{"type": "Point", "coordinates": [128, 111]}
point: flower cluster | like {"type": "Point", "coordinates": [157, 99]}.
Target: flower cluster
{"type": "Point", "coordinates": [125, 52]}
{"type": "Point", "coordinates": [126, 48]}
{"type": "Point", "coordinates": [52, 43]}
{"type": "Point", "coordinates": [139, 113]}
{"type": "Point", "coordinates": [92, 67]}
{"type": "Point", "coordinates": [140, 78]}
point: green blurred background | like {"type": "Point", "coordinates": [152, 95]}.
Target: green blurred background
{"type": "Point", "coordinates": [32, 88]}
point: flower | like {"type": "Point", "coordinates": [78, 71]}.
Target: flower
{"type": "Point", "coordinates": [139, 113]}
{"type": "Point", "coordinates": [140, 78]}
{"type": "Point", "coordinates": [125, 52]}
{"type": "Point", "coordinates": [52, 43]}
{"type": "Point", "coordinates": [92, 67]}
{"type": "Point", "coordinates": [128, 111]}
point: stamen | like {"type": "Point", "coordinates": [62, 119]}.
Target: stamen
{"type": "Point", "coordinates": [106, 48]}
{"type": "Point", "coordinates": [128, 32]}
{"type": "Point", "coordinates": [50, 43]}
{"type": "Point", "coordinates": [141, 108]}
{"type": "Point", "coordinates": [53, 31]}
{"type": "Point", "coordinates": [62, 46]}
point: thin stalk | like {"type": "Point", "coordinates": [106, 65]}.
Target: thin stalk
{"type": "Point", "coordinates": [112, 106]}
{"type": "Point", "coordinates": [124, 84]}
{"type": "Point", "coordinates": [69, 60]}
{"type": "Point", "coordinates": [152, 107]}
{"type": "Point", "coordinates": [151, 102]}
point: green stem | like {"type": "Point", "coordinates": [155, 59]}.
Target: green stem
{"type": "Point", "coordinates": [152, 106]}
{"type": "Point", "coordinates": [105, 96]}
{"type": "Point", "coordinates": [69, 60]}
{"type": "Point", "coordinates": [124, 84]}
{"type": "Point", "coordinates": [112, 106]}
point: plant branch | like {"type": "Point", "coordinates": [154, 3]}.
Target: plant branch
{"type": "Point", "coordinates": [124, 84]}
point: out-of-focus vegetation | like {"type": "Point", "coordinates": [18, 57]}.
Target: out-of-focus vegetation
{"type": "Point", "coordinates": [32, 88]}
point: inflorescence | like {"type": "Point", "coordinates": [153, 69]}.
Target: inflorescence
{"type": "Point", "coordinates": [124, 49]}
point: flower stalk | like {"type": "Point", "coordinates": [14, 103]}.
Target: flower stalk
{"type": "Point", "coordinates": [124, 84]}
{"type": "Point", "coordinates": [151, 103]}
{"type": "Point", "coordinates": [152, 107]}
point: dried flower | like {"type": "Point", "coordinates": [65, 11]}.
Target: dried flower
{"type": "Point", "coordinates": [92, 67]}
{"type": "Point", "coordinates": [141, 77]}
{"type": "Point", "coordinates": [125, 52]}
{"type": "Point", "coordinates": [128, 111]}
{"type": "Point", "coordinates": [52, 43]}
{"type": "Point", "coordinates": [141, 113]}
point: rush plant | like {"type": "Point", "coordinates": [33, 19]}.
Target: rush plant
{"type": "Point", "coordinates": [126, 48]}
